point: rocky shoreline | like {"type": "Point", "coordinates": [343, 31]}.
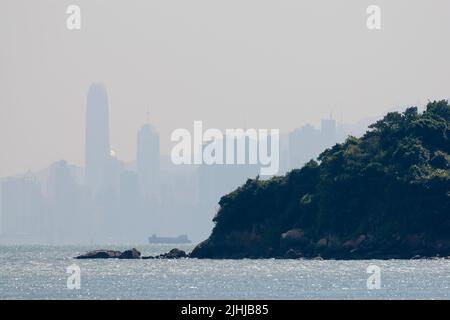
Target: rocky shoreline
{"type": "Point", "coordinates": [295, 245]}
{"type": "Point", "coordinates": [384, 195]}
{"type": "Point", "coordinates": [130, 254]}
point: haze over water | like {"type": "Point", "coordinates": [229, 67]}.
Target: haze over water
{"type": "Point", "coordinates": [90, 163]}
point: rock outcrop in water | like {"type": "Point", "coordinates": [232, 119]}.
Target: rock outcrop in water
{"type": "Point", "coordinates": [172, 254]}
{"type": "Point", "coordinates": [111, 254]}
{"type": "Point", "coordinates": [131, 254]}
{"type": "Point", "coordinates": [384, 195]}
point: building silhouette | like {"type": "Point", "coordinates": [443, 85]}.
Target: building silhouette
{"type": "Point", "coordinates": [328, 132]}
{"type": "Point", "coordinates": [24, 211]}
{"type": "Point", "coordinates": [307, 142]}
{"type": "Point", "coordinates": [119, 202]}
{"type": "Point", "coordinates": [97, 148]}
{"type": "Point", "coordinates": [148, 160]}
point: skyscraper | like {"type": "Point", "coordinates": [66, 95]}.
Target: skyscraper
{"type": "Point", "coordinates": [307, 142]}
{"type": "Point", "coordinates": [304, 144]}
{"type": "Point", "coordinates": [63, 202]}
{"type": "Point", "coordinates": [97, 148]}
{"type": "Point", "coordinates": [329, 132]}
{"type": "Point", "coordinates": [23, 206]}
{"type": "Point", "coordinates": [148, 159]}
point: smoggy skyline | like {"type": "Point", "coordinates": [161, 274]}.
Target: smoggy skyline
{"type": "Point", "coordinates": [290, 64]}
{"type": "Point", "coordinates": [109, 201]}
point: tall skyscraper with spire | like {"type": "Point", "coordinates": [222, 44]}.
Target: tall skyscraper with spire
{"type": "Point", "coordinates": [97, 148]}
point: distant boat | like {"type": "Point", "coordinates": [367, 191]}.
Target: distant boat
{"type": "Point", "coordinates": [169, 240]}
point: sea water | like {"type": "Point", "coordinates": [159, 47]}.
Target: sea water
{"type": "Point", "coordinates": [40, 272]}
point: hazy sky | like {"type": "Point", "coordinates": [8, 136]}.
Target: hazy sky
{"type": "Point", "coordinates": [259, 63]}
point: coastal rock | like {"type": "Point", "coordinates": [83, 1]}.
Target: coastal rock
{"type": "Point", "coordinates": [293, 254]}
{"type": "Point", "coordinates": [111, 254]}
{"type": "Point", "coordinates": [322, 243]}
{"type": "Point", "coordinates": [130, 254]}
{"type": "Point", "coordinates": [355, 243]}
{"type": "Point", "coordinates": [292, 237]}
{"type": "Point", "coordinates": [318, 258]}
{"type": "Point", "coordinates": [173, 254]}
{"type": "Point", "coordinates": [204, 249]}
{"type": "Point", "coordinates": [100, 254]}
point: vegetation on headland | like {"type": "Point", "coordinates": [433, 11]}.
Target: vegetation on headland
{"type": "Point", "coordinates": [384, 195]}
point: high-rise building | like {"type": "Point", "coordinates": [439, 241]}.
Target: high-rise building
{"type": "Point", "coordinates": [148, 159]}
{"type": "Point", "coordinates": [304, 145]}
{"type": "Point", "coordinates": [307, 142]}
{"type": "Point", "coordinates": [97, 148]}
{"type": "Point", "coordinates": [62, 193]}
{"type": "Point", "coordinates": [329, 132]}
{"type": "Point", "coordinates": [24, 210]}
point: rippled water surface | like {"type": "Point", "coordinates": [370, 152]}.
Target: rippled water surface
{"type": "Point", "coordinates": [39, 272]}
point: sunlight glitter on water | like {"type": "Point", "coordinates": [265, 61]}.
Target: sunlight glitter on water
{"type": "Point", "coordinates": [39, 272]}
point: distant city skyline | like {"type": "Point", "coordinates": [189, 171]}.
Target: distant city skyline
{"type": "Point", "coordinates": [86, 115]}
{"type": "Point", "coordinates": [237, 150]}
{"type": "Point", "coordinates": [109, 200]}
{"type": "Point", "coordinates": [292, 63]}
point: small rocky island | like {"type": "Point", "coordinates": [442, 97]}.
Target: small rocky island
{"type": "Point", "coordinates": [130, 254]}
{"type": "Point", "coordinates": [385, 195]}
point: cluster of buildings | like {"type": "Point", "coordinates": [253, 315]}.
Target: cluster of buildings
{"type": "Point", "coordinates": [110, 201]}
